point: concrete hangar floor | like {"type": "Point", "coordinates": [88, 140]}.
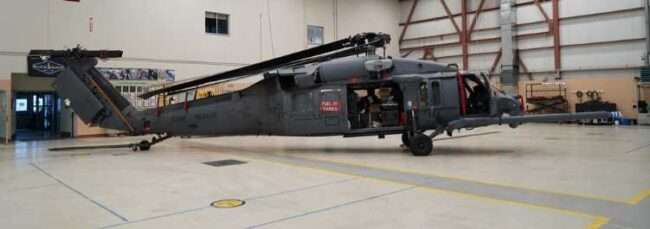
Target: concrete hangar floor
{"type": "Point", "coordinates": [537, 176]}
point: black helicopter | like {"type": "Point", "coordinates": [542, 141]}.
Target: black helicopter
{"type": "Point", "coordinates": [339, 88]}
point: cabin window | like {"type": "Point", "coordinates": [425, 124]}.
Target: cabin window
{"type": "Point", "coordinates": [302, 102]}
{"type": "Point", "coordinates": [435, 93]}
{"type": "Point", "coordinates": [424, 95]}
{"type": "Point", "coordinates": [217, 23]}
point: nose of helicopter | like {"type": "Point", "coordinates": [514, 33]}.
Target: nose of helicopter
{"type": "Point", "coordinates": [509, 104]}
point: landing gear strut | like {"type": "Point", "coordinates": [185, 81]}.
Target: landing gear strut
{"type": "Point", "coordinates": [406, 139]}
{"type": "Point", "coordinates": [145, 145]}
{"type": "Point", "coordinates": [419, 143]}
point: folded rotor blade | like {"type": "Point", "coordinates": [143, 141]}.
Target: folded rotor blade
{"type": "Point", "coordinates": [376, 39]}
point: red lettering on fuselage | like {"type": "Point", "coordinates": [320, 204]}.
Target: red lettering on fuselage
{"type": "Point", "coordinates": [330, 106]}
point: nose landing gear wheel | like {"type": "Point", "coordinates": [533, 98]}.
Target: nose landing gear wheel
{"type": "Point", "coordinates": [406, 139]}
{"type": "Point", "coordinates": [144, 145]}
{"type": "Point", "coordinates": [420, 145]}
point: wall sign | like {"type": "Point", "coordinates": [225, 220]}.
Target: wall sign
{"type": "Point", "coordinates": [40, 66]}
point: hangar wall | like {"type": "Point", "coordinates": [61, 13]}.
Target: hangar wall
{"type": "Point", "coordinates": [599, 39]}
{"type": "Point", "coordinates": [171, 34]}
{"type": "Point", "coordinates": [168, 34]}
{"type": "Point", "coordinates": [341, 18]}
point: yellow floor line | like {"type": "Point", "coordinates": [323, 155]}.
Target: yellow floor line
{"type": "Point", "coordinates": [597, 223]}
{"type": "Point", "coordinates": [584, 196]}
{"type": "Point", "coordinates": [639, 197]}
{"type": "Point", "coordinates": [636, 199]}
{"type": "Point", "coordinates": [577, 214]}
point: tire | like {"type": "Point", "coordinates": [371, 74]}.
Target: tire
{"type": "Point", "coordinates": [144, 145]}
{"type": "Point", "coordinates": [421, 145]}
{"type": "Point", "coordinates": [406, 139]}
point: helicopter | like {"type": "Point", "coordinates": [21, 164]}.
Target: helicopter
{"type": "Point", "coordinates": [341, 88]}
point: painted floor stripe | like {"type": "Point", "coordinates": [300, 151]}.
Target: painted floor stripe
{"type": "Point", "coordinates": [330, 208]}
{"type": "Point", "coordinates": [598, 222]}
{"type": "Point", "coordinates": [80, 193]}
{"type": "Point", "coordinates": [639, 197]}
{"type": "Point", "coordinates": [210, 207]}
{"type": "Point", "coordinates": [456, 193]}
{"type": "Point", "coordinates": [584, 196]}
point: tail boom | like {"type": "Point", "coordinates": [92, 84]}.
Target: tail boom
{"type": "Point", "coordinates": [91, 96]}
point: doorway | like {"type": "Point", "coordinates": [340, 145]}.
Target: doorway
{"type": "Point", "coordinates": [36, 115]}
{"type": "Point", "coordinates": [375, 105]}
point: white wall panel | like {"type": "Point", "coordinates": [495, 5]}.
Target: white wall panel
{"type": "Point", "coordinates": [531, 13]}
{"type": "Point", "coordinates": [425, 9]}
{"type": "Point", "coordinates": [484, 47]}
{"type": "Point", "coordinates": [23, 25]}
{"type": "Point", "coordinates": [488, 19]}
{"type": "Point", "coordinates": [538, 60]}
{"type": "Point", "coordinates": [605, 28]}
{"type": "Point", "coordinates": [430, 28]}
{"type": "Point", "coordinates": [171, 34]}
{"type": "Point", "coordinates": [370, 16]}
{"type": "Point", "coordinates": [483, 63]}
{"type": "Point", "coordinates": [536, 42]}
{"type": "Point", "coordinates": [452, 50]}
{"type": "Point", "coordinates": [9, 64]}
{"type": "Point", "coordinates": [582, 7]}
{"type": "Point", "coordinates": [603, 56]}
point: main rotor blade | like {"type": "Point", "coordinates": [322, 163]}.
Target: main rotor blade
{"type": "Point", "coordinates": [329, 56]}
{"type": "Point", "coordinates": [376, 39]}
{"type": "Point", "coordinates": [77, 52]}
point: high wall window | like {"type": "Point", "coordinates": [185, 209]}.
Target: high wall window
{"type": "Point", "coordinates": [315, 35]}
{"type": "Point", "coordinates": [216, 23]}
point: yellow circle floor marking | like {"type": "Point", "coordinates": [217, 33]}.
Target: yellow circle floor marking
{"type": "Point", "coordinates": [228, 203]}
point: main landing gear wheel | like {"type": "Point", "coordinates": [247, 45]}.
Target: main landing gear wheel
{"type": "Point", "coordinates": [420, 145]}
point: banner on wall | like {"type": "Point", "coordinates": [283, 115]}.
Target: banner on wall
{"type": "Point", "coordinates": [141, 74]}
{"type": "Point", "coordinates": [51, 67]}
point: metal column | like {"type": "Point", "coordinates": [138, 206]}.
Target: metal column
{"type": "Point", "coordinates": [646, 3]}
{"type": "Point", "coordinates": [557, 46]}
{"type": "Point", "coordinates": [464, 36]}
{"type": "Point", "coordinates": [509, 68]}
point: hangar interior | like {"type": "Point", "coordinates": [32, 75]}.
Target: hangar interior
{"type": "Point", "coordinates": [555, 56]}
